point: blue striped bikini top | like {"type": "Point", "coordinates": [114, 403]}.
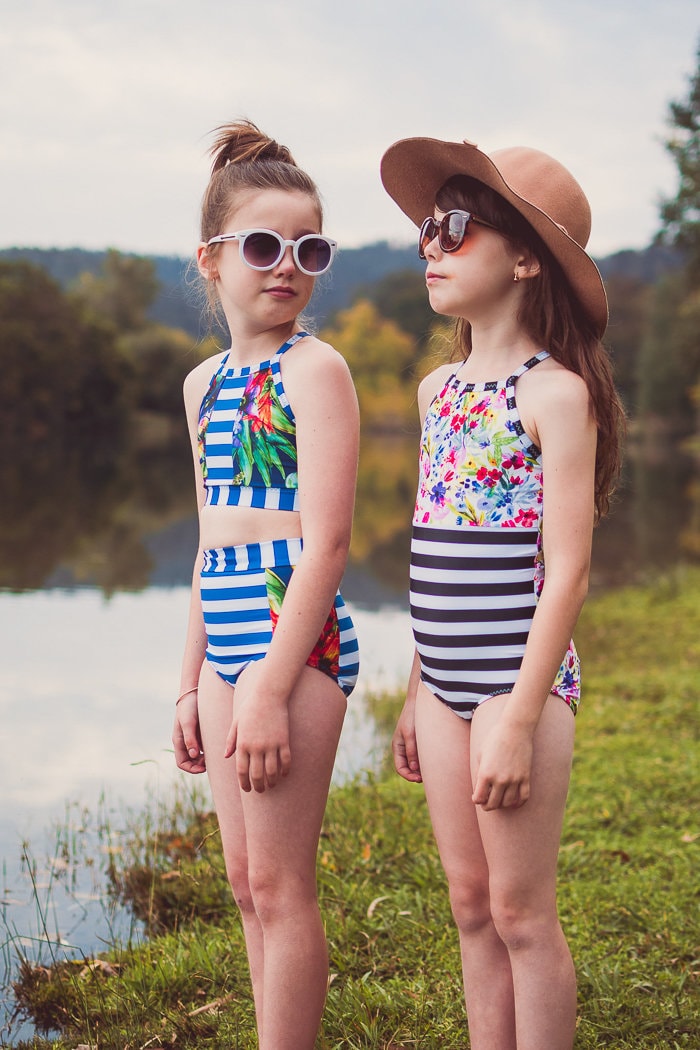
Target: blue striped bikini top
{"type": "Point", "coordinates": [247, 437]}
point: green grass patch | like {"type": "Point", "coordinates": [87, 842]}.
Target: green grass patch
{"type": "Point", "coordinates": [629, 889]}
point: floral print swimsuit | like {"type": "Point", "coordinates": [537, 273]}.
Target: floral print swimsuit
{"type": "Point", "coordinates": [477, 564]}
{"type": "Point", "coordinates": [248, 456]}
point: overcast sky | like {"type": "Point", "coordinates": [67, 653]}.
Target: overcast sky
{"type": "Point", "coordinates": [105, 108]}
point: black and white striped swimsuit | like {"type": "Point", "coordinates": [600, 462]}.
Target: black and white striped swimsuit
{"type": "Point", "coordinates": [477, 566]}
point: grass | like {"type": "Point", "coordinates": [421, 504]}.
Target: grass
{"type": "Point", "coordinates": [629, 890]}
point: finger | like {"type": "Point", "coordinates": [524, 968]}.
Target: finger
{"type": "Point", "coordinates": [482, 789]}
{"type": "Point", "coordinates": [285, 760]}
{"type": "Point", "coordinates": [495, 799]}
{"type": "Point", "coordinates": [193, 744]}
{"type": "Point", "coordinates": [411, 752]}
{"type": "Point", "coordinates": [402, 766]}
{"type": "Point", "coordinates": [511, 796]}
{"type": "Point", "coordinates": [243, 769]}
{"type": "Point", "coordinates": [231, 742]}
{"type": "Point", "coordinates": [271, 767]}
{"type": "Point", "coordinates": [256, 772]}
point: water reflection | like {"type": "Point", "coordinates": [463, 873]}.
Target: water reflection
{"type": "Point", "coordinates": [122, 517]}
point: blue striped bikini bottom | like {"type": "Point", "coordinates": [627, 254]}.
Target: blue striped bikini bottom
{"type": "Point", "coordinates": [473, 596]}
{"type": "Point", "coordinates": [242, 590]}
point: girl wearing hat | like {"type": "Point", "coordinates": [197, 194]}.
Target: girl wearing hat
{"type": "Point", "coordinates": [519, 451]}
{"type": "Point", "coordinates": [271, 653]}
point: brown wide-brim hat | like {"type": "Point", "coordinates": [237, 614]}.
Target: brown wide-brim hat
{"type": "Point", "coordinates": [539, 187]}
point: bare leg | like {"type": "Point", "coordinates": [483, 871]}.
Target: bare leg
{"type": "Point", "coordinates": [521, 848]}
{"type": "Point", "coordinates": [444, 748]}
{"type": "Point", "coordinates": [215, 707]}
{"type": "Point", "coordinates": [286, 940]}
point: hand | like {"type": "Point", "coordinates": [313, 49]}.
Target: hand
{"type": "Point", "coordinates": [259, 733]}
{"type": "Point", "coordinates": [403, 744]}
{"type": "Point", "coordinates": [503, 769]}
{"type": "Point", "coordinates": [186, 737]}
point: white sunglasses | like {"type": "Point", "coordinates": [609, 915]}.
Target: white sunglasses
{"type": "Point", "coordinates": [263, 249]}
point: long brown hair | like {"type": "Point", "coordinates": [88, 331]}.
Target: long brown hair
{"type": "Point", "coordinates": [554, 318]}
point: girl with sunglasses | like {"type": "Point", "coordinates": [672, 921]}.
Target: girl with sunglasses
{"type": "Point", "coordinates": [519, 451]}
{"type": "Point", "coordinates": [271, 652]}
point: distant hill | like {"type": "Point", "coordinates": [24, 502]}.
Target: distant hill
{"type": "Point", "coordinates": [178, 306]}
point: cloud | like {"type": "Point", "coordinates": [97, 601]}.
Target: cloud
{"type": "Point", "coordinates": [105, 126]}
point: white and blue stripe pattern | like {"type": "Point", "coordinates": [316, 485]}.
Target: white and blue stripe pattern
{"type": "Point", "coordinates": [472, 601]}
{"type": "Point", "coordinates": [223, 486]}
{"type": "Point", "coordinates": [236, 608]}
{"type": "Point", "coordinates": [249, 496]}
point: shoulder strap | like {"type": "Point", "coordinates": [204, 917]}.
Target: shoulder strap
{"type": "Point", "coordinates": [213, 388]}
{"type": "Point", "coordinates": [542, 356]}
{"type": "Point", "coordinates": [290, 342]}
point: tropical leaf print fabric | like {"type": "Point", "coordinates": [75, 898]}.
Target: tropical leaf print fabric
{"type": "Point", "coordinates": [247, 431]}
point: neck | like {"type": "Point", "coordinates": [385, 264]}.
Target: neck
{"type": "Point", "coordinates": [498, 349]}
{"type": "Point", "coordinates": [250, 346]}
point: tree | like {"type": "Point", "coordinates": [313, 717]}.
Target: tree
{"type": "Point", "coordinates": [59, 371]}
{"type": "Point", "coordinates": [121, 293]}
{"type": "Point", "coordinates": [670, 359]}
{"type": "Point", "coordinates": [680, 215]}
{"type": "Point", "coordinates": [402, 297]}
{"type": "Point", "coordinates": [381, 358]}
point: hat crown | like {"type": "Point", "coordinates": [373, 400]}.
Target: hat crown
{"type": "Point", "coordinates": [542, 181]}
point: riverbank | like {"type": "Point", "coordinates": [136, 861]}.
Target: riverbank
{"type": "Point", "coordinates": [628, 883]}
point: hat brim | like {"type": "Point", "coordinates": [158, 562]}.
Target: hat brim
{"type": "Point", "coordinates": [413, 171]}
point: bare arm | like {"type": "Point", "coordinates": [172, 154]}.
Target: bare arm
{"type": "Point", "coordinates": [186, 737]}
{"type": "Point", "coordinates": [566, 434]}
{"type": "Point", "coordinates": [403, 741]}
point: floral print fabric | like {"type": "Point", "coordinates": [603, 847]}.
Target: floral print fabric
{"type": "Point", "coordinates": [477, 466]}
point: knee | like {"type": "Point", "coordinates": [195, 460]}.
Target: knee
{"type": "Point", "coordinates": [469, 900]}
{"type": "Point", "coordinates": [237, 874]}
{"type": "Point", "coordinates": [278, 896]}
{"type": "Point", "coordinates": [519, 925]}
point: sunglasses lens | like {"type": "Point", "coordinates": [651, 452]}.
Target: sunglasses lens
{"type": "Point", "coordinates": [314, 254]}
{"type": "Point", "coordinates": [261, 250]}
{"type": "Point", "coordinates": [452, 230]}
{"type": "Point", "coordinates": [428, 233]}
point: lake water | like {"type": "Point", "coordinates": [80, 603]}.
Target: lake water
{"type": "Point", "coordinates": [92, 621]}
{"type": "Point", "coordinates": [86, 708]}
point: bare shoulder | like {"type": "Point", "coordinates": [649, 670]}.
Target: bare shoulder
{"type": "Point", "coordinates": [311, 352]}
{"type": "Point", "coordinates": [313, 365]}
{"type": "Point", "coordinates": [433, 383]}
{"type": "Point", "coordinates": [551, 397]}
{"type": "Point", "coordinates": [197, 381]}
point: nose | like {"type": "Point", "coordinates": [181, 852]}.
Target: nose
{"type": "Point", "coordinates": [432, 248]}
{"type": "Point", "coordinates": [286, 264]}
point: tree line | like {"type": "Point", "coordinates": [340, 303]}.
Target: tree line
{"type": "Point", "coordinates": [88, 359]}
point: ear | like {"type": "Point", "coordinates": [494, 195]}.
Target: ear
{"type": "Point", "coordinates": [528, 265]}
{"type": "Point", "coordinates": [206, 263]}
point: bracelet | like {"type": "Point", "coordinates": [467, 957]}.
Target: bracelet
{"type": "Point", "coordinates": [187, 692]}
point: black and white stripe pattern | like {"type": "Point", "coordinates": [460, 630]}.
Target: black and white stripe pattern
{"type": "Point", "coordinates": [472, 602]}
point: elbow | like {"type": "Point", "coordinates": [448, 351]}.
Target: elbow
{"type": "Point", "coordinates": [330, 549]}
{"type": "Point", "coordinates": [579, 586]}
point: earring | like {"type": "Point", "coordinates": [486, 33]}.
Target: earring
{"type": "Point", "coordinates": [516, 276]}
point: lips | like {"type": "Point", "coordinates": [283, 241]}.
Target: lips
{"type": "Point", "coordinates": [281, 291]}
{"type": "Point", "coordinates": [431, 277]}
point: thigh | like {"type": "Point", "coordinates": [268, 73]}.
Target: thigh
{"type": "Point", "coordinates": [522, 845]}
{"type": "Point", "coordinates": [215, 708]}
{"type": "Point", "coordinates": [283, 824]}
{"type": "Point", "coordinates": [443, 740]}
